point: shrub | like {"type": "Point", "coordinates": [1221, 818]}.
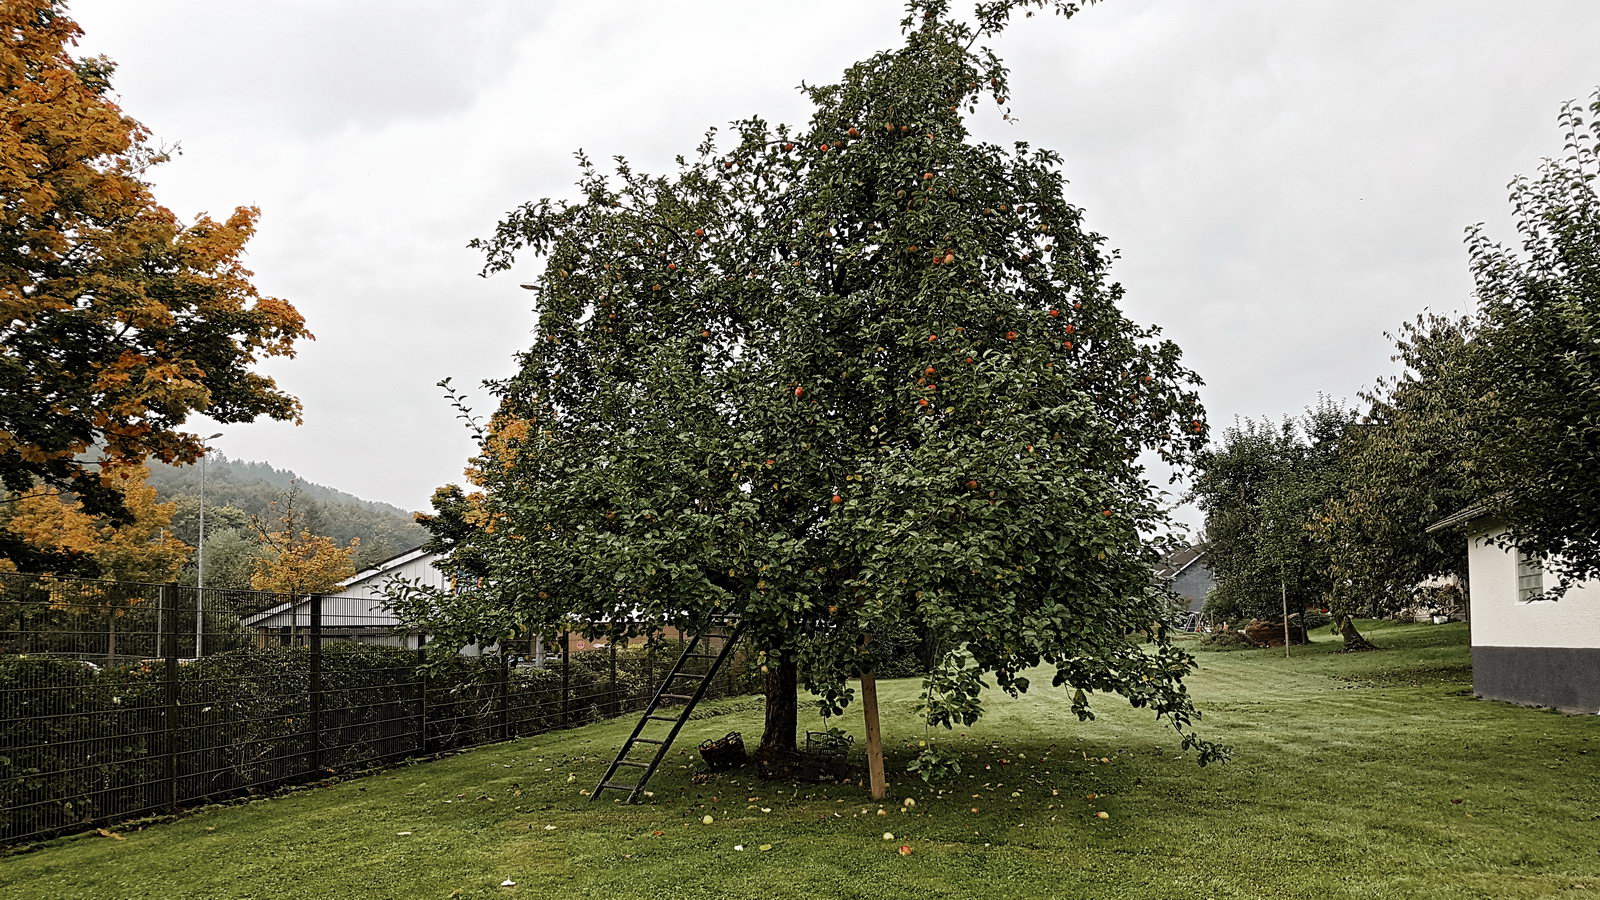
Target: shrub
{"type": "Point", "coordinates": [1223, 641]}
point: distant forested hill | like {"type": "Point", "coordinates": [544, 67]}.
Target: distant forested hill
{"type": "Point", "coordinates": [252, 487]}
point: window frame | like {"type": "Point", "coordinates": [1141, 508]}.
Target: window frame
{"type": "Point", "coordinates": [1530, 577]}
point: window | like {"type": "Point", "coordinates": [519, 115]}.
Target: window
{"type": "Point", "coordinates": [1530, 576]}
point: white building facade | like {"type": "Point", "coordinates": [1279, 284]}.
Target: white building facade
{"type": "Point", "coordinates": [358, 612]}
{"type": "Point", "coordinates": [1526, 647]}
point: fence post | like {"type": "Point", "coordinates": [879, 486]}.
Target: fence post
{"type": "Point", "coordinates": [422, 699]}
{"type": "Point", "coordinates": [315, 683]}
{"type": "Point", "coordinates": [168, 601]}
{"type": "Point", "coordinates": [650, 662]}
{"type": "Point", "coordinates": [504, 691]}
{"type": "Point", "coordinates": [614, 708]}
{"type": "Point", "coordinates": [566, 675]}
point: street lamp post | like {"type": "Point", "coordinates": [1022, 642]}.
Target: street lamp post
{"type": "Point", "coordinates": [200, 563]}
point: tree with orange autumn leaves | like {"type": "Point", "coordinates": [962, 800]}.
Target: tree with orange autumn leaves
{"type": "Point", "coordinates": [119, 321]}
{"type": "Point", "coordinates": [140, 549]}
{"type": "Point", "coordinates": [298, 561]}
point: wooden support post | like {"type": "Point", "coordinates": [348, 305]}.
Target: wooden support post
{"type": "Point", "coordinates": [869, 708]}
{"type": "Point", "coordinates": [1284, 587]}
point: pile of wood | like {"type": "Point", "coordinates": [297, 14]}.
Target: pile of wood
{"type": "Point", "coordinates": [1267, 633]}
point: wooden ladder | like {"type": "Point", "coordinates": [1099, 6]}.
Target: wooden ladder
{"type": "Point", "coordinates": [711, 646]}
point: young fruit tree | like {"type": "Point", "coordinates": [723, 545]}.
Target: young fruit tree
{"type": "Point", "coordinates": [119, 320]}
{"type": "Point", "coordinates": [1263, 488]}
{"type": "Point", "coordinates": [845, 381]}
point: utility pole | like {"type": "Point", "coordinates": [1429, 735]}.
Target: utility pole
{"type": "Point", "coordinates": [200, 560]}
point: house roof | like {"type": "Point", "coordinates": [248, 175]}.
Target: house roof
{"type": "Point", "coordinates": [1475, 511]}
{"type": "Point", "coordinates": [1173, 564]}
{"type": "Point", "coordinates": [378, 568]}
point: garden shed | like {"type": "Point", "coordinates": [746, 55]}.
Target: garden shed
{"type": "Point", "coordinates": [1527, 647]}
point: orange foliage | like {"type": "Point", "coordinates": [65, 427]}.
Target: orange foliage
{"type": "Point", "coordinates": [117, 320]}
{"type": "Point", "coordinates": [299, 562]}
{"type": "Point", "coordinates": [140, 550]}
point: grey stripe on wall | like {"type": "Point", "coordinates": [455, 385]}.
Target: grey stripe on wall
{"type": "Point", "coordinates": [1564, 678]}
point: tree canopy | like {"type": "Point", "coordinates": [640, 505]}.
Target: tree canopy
{"type": "Point", "coordinates": [119, 320]}
{"type": "Point", "coordinates": [843, 380]}
{"type": "Point", "coordinates": [139, 547]}
{"type": "Point", "coordinates": [1407, 465]}
{"type": "Point", "coordinates": [294, 560]}
{"type": "Point", "coordinates": [1536, 357]}
{"type": "Point", "coordinates": [1262, 488]}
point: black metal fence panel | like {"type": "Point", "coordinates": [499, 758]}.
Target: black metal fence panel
{"type": "Point", "coordinates": [122, 700]}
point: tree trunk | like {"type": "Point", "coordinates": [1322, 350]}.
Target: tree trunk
{"type": "Point", "coordinates": [1353, 640]}
{"type": "Point", "coordinates": [779, 753]}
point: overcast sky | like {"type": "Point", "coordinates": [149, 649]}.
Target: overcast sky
{"type": "Point", "coordinates": [1285, 181]}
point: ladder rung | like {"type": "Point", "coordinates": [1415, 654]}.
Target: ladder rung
{"type": "Point", "coordinates": [663, 718]}
{"type": "Point", "coordinates": [636, 765]}
{"type": "Point", "coordinates": [702, 656]}
{"type": "Point", "coordinates": [688, 675]}
{"type": "Point", "coordinates": [676, 697]}
{"type": "Point", "coordinates": [649, 740]}
{"type": "Point", "coordinates": [606, 785]}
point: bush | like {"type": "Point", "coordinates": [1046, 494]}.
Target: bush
{"type": "Point", "coordinates": [1223, 641]}
{"type": "Point", "coordinates": [1314, 619]}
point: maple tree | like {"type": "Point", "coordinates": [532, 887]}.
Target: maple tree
{"type": "Point", "coordinates": [139, 547]}
{"type": "Point", "coordinates": [294, 560]}
{"type": "Point", "coordinates": [840, 381]}
{"type": "Point", "coordinates": [120, 321]}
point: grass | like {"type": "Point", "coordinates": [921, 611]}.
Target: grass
{"type": "Point", "coordinates": [1365, 775]}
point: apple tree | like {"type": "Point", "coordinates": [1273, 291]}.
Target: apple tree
{"type": "Point", "coordinates": [1405, 465]}
{"type": "Point", "coordinates": [1263, 488]}
{"type": "Point", "coordinates": [842, 380]}
{"type": "Point", "coordinates": [1536, 357]}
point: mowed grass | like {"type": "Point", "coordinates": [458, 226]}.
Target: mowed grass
{"type": "Point", "coordinates": [1367, 775]}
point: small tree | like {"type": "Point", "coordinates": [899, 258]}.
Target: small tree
{"type": "Point", "coordinates": [1537, 357]}
{"type": "Point", "coordinates": [119, 322]}
{"type": "Point", "coordinates": [294, 560]}
{"type": "Point", "coordinates": [840, 381]}
{"type": "Point", "coordinates": [1262, 489]}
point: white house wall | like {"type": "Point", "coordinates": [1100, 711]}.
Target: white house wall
{"type": "Point", "coordinates": [1540, 653]}
{"type": "Point", "coordinates": [361, 602]}
{"type": "Point", "coordinates": [419, 569]}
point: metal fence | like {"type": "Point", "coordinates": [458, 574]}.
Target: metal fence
{"type": "Point", "coordinates": [121, 700]}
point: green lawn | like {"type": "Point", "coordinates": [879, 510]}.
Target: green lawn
{"type": "Point", "coordinates": [1373, 775]}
